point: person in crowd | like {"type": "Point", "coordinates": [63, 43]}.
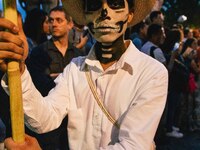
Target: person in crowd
{"type": "Point", "coordinates": [139, 34]}
{"type": "Point", "coordinates": [46, 62]}
{"type": "Point", "coordinates": [178, 26]}
{"type": "Point", "coordinates": [196, 33]}
{"type": "Point", "coordinates": [194, 89]}
{"type": "Point", "coordinates": [196, 112]}
{"type": "Point", "coordinates": [129, 114]}
{"type": "Point", "coordinates": [188, 33]}
{"type": "Point", "coordinates": [189, 54]}
{"type": "Point", "coordinates": [46, 28]}
{"type": "Point", "coordinates": [155, 38]}
{"type": "Point", "coordinates": [33, 28]}
{"type": "Point", "coordinates": [172, 48]}
{"type": "Point", "coordinates": [157, 17]}
{"type": "Point", "coordinates": [78, 36]}
{"type": "Point", "coordinates": [47, 5]}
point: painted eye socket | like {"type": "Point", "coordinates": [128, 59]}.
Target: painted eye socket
{"type": "Point", "coordinates": [116, 4]}
{"type": "Point", "coordinates": [92, 5]}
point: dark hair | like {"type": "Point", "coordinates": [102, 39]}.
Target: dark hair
{"type": "Point", "coordinates": [33, 25]}
{"type": "Point", "coordinates": [153, 29]}
{"type": "Point", "coordinates": [154, 14]}
{"type": "Point", "coordinates": [172, 36]}
{"type": "Point", "coordinates": [138, 26]}
{"type": "Point", "coordinates": [187, 44]}
{"type": "Point", "coordinates": [177, 26]}
{"type": "Point", "coordinates": [61, 9]}
{"type": "Point", "coordinates": [186, 31]}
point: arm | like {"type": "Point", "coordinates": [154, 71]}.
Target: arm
{"type": "Point", "coordinates": [160, 56]}
{"type": "Point", "coordinates": [44, 114]}
{"type": "Point", "coordinates": [82, 43]}
{"type": "Point", "coordinates": [170, 65]}
{"type": "Point", "coordinates": [195, 66]}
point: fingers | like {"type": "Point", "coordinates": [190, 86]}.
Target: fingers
{"type": "Point", "coordinates": [11, 51]}
{"type": "Point", "coordinates": [11, 46]}
{"type": "Point", "coordinates": [30, 140]}
{"type": "Point", "coordinates": [19, 21]}
{"type": "Point", "coordinates": [22, 36]}
{"type": "Point", "coordinates": [9, 37]}
{"type": "Point", "coordinates": [4, 23]}
{"type": "Point", "coordinates": [30, 143]}
{"type": "Point", "coordinates": [9, 144]}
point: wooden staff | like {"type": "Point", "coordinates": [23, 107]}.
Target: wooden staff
{"type": "Point", "coordinates": [14, 82]}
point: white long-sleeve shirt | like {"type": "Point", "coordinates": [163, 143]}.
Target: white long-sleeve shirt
{"type": "Point", "coordinates": [133, 90]}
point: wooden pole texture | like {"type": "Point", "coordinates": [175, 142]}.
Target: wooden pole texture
{"type": "Point", "coordinates": [14, 82]}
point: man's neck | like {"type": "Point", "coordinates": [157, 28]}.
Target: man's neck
{"type": "Point", "coordinates": [61, 44]}
{"type": "Point", "coordinates": [110, 53]}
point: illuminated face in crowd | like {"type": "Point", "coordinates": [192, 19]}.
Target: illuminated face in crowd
{"type": "Point", "coordinates": [159, 19]}
{"type": "Point", "coordinates": [107, 19]}
{"type": "Point", "coordinates": [58, 24]}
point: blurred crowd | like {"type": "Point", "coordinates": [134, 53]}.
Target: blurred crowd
{"type": "Point", "coordinates": [178, 48]}
{"type": "Point", "coordinates": [55, 39]}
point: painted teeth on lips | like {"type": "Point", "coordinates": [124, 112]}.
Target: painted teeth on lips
{"type": "Point", "coordinates": [106, 29]}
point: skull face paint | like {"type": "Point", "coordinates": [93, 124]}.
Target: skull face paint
{"type": "Point", "coordinates": [91, 5]}
{"type": "Point", "coordinates": [106, 19]}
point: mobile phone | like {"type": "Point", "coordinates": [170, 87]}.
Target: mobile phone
{"type": "Point", "coordinates": [176, 46]}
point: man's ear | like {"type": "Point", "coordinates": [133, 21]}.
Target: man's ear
{"type": "Point", "coordinates": [71, 24]}
{"type": "Point", "coordinates": [130, 17]}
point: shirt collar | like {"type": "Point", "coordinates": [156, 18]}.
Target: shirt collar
{"type": "Point", "coordinates": [125, 62]}
{"type": "Point", "coordinates": [51, 45]}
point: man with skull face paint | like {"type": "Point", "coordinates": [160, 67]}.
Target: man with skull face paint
{"type": "Point", "coordinates": [107, 22]}
{"type": "Point", "coordinates": [131, 85]}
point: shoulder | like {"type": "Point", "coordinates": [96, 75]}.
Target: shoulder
{"type": "Point", "coordinates": [147, 66]}
{"type": "Point", "coordinates": [141, 61]}
{"type": "Point", "coordinates": [159, 52]}
{"type": "Point", "coordinates": [78, 62]}
{"type": "Point", "coordinates": [146, 46]}
{"type": "Point", "coordinates": [40, 48]}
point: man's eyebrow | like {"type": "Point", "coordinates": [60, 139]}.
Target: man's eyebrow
{"type": "Point", "coordinates": [56, 18]}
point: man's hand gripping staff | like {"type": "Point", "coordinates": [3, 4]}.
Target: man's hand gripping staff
{"type": "Point", "coordinates": [16, 52]}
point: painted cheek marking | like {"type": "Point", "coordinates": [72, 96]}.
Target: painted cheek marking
{"type": "Point", "coordinates": [121, 24]}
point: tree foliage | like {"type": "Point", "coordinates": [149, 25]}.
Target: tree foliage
{"type": "Point", "coordinates": [172, 9]}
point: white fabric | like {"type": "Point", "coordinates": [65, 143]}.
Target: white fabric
{"type": "Point", "coordinates": [2, 146]}
{"type": "Point", "coordinates": [157, 52]}
{"type": "Point", "coordinates": [133, 90]}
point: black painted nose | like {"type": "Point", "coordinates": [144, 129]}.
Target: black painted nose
{"type": "Point", "coordinates": [104, 13]}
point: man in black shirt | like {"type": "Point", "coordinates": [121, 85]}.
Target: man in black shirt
{"type": "Point", "coordinates": [45, 63]}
